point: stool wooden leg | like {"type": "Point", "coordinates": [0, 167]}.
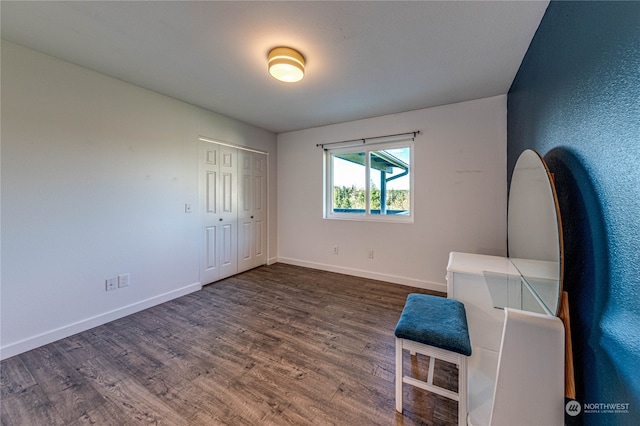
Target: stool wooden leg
{"type": "Point", "coordinates": [399, 375]}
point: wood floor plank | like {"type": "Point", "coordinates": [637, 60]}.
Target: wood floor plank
{"type": "Point", "coordinates": [108, 414]}
{"type": "Point", "coordinates": [138, 404]}
{"type": "Point", "coordinates": [14, 377]}
{"type": "Point", "coordinates": [277, 345]}
{"type": "Point", "coordinates": [29, 407]}
{"type": "Point", "coordinates": [65, 388]}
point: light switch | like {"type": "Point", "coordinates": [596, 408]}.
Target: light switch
{"type": "Point", "coordinates": [123, 280]}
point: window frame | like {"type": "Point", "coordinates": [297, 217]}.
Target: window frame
{"type": "Point", "coordinates": [367, 148]}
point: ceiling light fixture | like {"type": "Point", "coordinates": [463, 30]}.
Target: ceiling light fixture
{"type": "Point", "coordinates": [286, 64]}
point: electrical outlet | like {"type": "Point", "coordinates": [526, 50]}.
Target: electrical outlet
{"type": "Point", "coordinates": [111, 284]}
{"type": "Point", "coordinates": [370, 255]}
{"type": "Point", "coordinates": [335, 249]}
{"type": "Point", "coordinates": [123, 280]}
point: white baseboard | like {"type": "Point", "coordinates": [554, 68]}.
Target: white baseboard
{"type": "Point", "coordinates": [412, 282]}
{"type": "Point", "coordinates": [86, 324]}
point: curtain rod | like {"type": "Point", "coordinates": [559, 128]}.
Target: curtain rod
{"type": "Point", "coordinates": [364, 140]}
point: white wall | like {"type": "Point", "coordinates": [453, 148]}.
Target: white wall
{"type": "Point", "coordinates": [460, 196]}
{"type": "Point", "coordinates": [95, 175]}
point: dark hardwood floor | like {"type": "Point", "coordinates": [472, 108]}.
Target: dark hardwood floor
{"type": "Point", "coordinates": [276, 345]}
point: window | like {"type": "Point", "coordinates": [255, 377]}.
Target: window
{"type": "Point", "coordinates": [370, 182]}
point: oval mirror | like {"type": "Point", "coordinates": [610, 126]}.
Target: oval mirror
{"type": "Point", "coordinates": [535, 234]}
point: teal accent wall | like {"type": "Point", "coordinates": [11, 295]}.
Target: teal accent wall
{"type": "Point", "coordinates": [576, 100]}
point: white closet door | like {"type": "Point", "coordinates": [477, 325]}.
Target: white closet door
{"type": "Point", "coordinates": [218, 207]}
{"type": "Point", "coordinates": [252, 210]}
{"type": "Point", "coordinates": [260, 209]}
{"type": "Point", "coordinates": [228, 215]}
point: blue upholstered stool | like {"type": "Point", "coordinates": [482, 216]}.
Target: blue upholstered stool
{"type": "Point", "coordinates": [435, 327]}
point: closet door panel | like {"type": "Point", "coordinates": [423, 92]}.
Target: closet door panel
{"type": "Point", "coordinates": [218, 215]}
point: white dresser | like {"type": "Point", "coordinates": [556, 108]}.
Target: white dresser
{"type": "Point", "coordinates": [516, 370]}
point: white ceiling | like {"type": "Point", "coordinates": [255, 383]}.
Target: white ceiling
{"type": "Point", "coordinates": [364, 59]}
